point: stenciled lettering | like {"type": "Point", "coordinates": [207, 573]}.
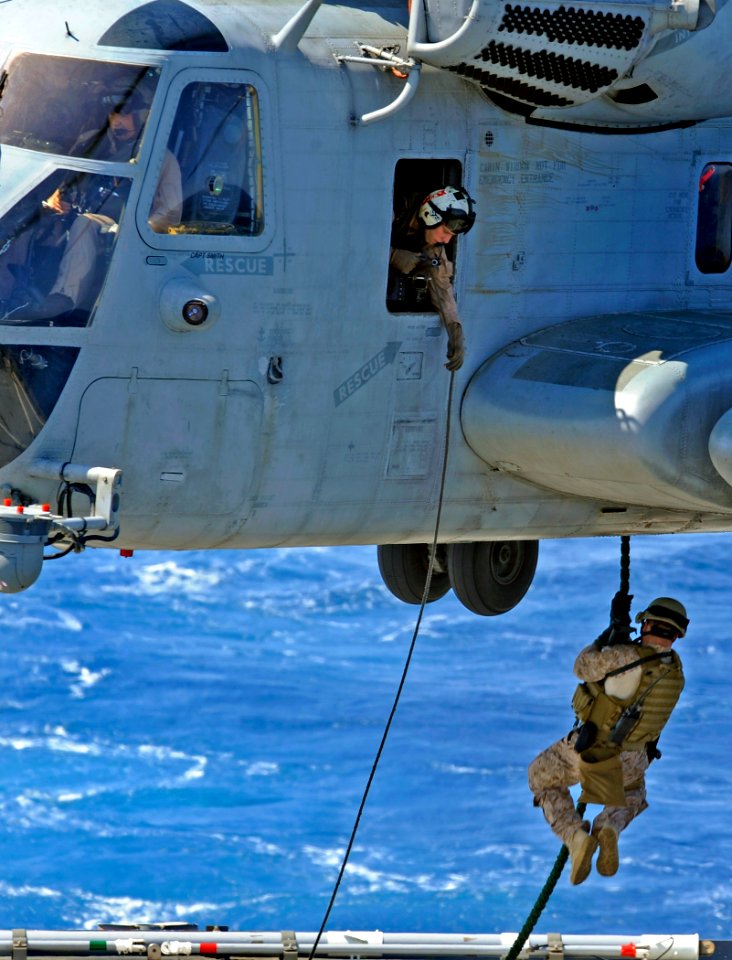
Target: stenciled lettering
{"type": "Point", "coordinates": [369, 369]}
{"type": "Point", "coordinates": [239, 266]}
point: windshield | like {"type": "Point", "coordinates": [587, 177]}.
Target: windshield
{"type": "Point", "coordinates": [56, 246]}
{"type": "Point", "coordinates": [78, 108]}
{"type": "Point", "coordinates": [31, 381]}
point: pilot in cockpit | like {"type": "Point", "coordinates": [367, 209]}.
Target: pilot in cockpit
{"type": "Point", "coordinates": [92, 214]}
{"type": "Point", "coordinates": [119, 138]}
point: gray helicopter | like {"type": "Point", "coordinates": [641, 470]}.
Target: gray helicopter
{"type": "Point", "coordinates": [202, 346]}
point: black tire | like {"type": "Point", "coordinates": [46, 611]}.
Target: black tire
{"type": "Point", "coordinates": [491, 578]}
{"type": "Point", "coordinates": [403, 568]}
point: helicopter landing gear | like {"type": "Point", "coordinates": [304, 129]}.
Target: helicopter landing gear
{"type": "Point", "coordinates": [491, 578]}
{"type": "Point", "coordinates": [403, 568]}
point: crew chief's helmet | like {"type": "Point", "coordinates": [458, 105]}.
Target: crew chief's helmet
{"type": "Point", "coordinates": [451, 207]}
{"type": "Point", "coordinates": [666, 610]}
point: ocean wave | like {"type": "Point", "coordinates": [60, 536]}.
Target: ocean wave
{"type": "Point", "coordinates": [20, 619]}
{"type": "Point", "coordinates": [260, 768]}
{"type": "Point", "coordinates": [85, 677]}
{"type": "Point", "coordinates": [32, 809]}
{"type": "Point", "coordinates": [362, 878]}
{"type": "Point", "coordinates": [267, 848]}
{"type": "Point", "coordinates": [170, 576]}
{"type": "Point", "coordinates": [58, 740]}
{"type": "Point", "coordinates": [165, 754]}
{"type": "Point", "coordinates": [27, 890]}
{"type": "Point", "coordinates": [468, 771]}
{"type": "Point", "coordinates": [131, 910]}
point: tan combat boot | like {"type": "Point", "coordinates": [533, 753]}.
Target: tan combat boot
{"type": "Point", "coordinates": [581, 846]}
{"type": "Point", "coordinates": [607, 859]}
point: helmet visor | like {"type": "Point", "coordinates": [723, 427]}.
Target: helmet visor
{"type": "Point", "coordinates": [457, 221]}
{"type": "Point", "coordinates": [454, 218]}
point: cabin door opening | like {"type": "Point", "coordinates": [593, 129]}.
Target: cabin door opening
{"type": "Point", "coordinates": [413, 181]}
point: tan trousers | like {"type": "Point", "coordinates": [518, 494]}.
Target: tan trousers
{"type": "Point", "coordinates": [78, 264]}
{"type": "Point", "coordinates": [556, 769]}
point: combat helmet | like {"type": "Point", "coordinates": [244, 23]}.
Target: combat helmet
{"type": "Point", "coordinates": [666, 610]}
{"type": "Point", "coordinates": [450, 207]}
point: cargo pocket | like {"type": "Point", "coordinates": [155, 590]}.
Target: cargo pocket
{"type": "Point", "coordinates": [602, 782]}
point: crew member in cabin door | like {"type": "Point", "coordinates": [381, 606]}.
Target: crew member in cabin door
{"type": "Point", "coordinates": [418, 259]}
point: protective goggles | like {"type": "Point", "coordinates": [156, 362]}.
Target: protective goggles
{"type": "Point", "coordinates": [658, 612]}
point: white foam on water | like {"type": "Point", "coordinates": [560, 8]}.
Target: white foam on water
{"type": "Point", "coordinates": [166, 754]}
{"type": "Point", "coordinates": [97, 909]}
{"type": "Point", "coordinates": [86, 678]}
{"type": "Point", "coordinates": [28, 890]}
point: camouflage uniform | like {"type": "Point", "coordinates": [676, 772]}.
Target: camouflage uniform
{"type": "Point", "coordinates": [438, 271]}
{"type": "Point", "coordinates": [556, 769]}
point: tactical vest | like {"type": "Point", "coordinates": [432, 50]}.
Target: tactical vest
{"type": "Point", "coordinates": [661, 683]}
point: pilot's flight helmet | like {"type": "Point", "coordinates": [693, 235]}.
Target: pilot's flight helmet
{"type": "Point", "coordinates": [126, 101]}
{"type": "Point", "coordinates": [667, 610]}
{"type": "Point", "coordinates": [451, 207]}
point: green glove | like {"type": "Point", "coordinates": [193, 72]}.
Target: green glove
{"type": "Point", "coordinates": [455, 346]}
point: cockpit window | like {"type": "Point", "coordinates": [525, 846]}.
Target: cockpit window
{"type": "Point", "coordinates": [215, 150]}
{"type": "Point", "coordinates": [55, 248]}
{"type": "Point", "coordinates": [31, 381]}
{"type": "Point", "coordinates": [77, 108]}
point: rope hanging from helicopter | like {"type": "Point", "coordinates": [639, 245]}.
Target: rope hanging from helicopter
{"type": "Point", "coordinates": [402, 681]}
{"type": "Point", "coordinates": [563, 855]}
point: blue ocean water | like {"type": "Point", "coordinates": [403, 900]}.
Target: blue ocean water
{"type": "Point", "coordinates": [186, 736]}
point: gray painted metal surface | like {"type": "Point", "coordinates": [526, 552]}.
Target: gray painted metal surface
{"type": "Point", "coordinates": [302, 410]}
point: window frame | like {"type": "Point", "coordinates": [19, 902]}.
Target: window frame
{"type": "Point", "coordinates": [712, 275]}
{"type": "Point", "coordinates": [104, 65]}
{"type": "Point", "coordinates": [99, 170]}
{"type": "Point", "coordinates": [208, 241]}
{"type": "Point", "coordinates": [434, 171]}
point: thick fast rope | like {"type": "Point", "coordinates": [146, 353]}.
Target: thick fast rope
{"type": "Point", "coordinates": [625, 564]}
{"type": "Point", "coordinates": [543, 898]}
{"type": "Point", "coordinates": [402, 681]}
{"type": "Point", "coordinates": [556, 871]}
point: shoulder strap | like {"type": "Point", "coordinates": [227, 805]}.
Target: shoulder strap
{"type": "Point", "coordinates": [639, 662]}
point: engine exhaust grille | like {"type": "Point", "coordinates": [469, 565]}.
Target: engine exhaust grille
{"type": "Point", "coordinates": [575, 25]}
{"type": "Point", "coordinates": [546, 53]}
{"type": "Point", "coordinates": [552, 67]}
{"type": "Point", "coordinates": [509, 87]}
